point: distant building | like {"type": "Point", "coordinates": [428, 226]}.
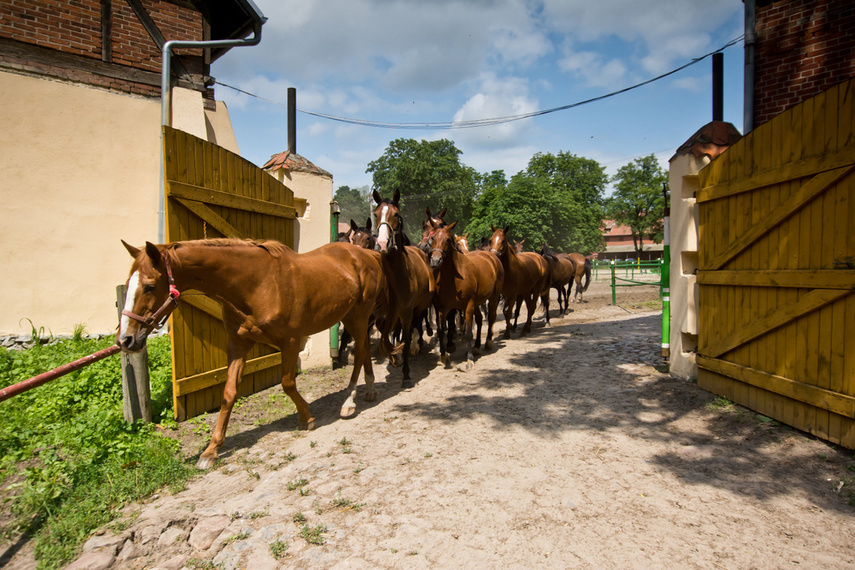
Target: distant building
{"type": "Point", "coordinates": [619, 244]}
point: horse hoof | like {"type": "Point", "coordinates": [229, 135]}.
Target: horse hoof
{"type": "Point", "coordinates": [466, 366]}
{"type": "Point", "coordinates": [370, 396]}
{"type": "Point", "coordinates": [205, 463]}
{"type": "Point", "coordinates": [444, 359]}
{"type": "Point", "coordinates": [406, 384]}
{"type": "Point", "coordinates": [310, 425]}
{"type": "Point", "coordinates": [347, 411]}
{"type": "Point", "coordinates": [488, 345]}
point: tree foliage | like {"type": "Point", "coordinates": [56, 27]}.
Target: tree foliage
{"type": "Point", "coordinates": [556, 200]}
{"type": "Point", "coordinates": [355, 204]}
{"type": "Point", "coordinates": [429, 174]}
{"type": "Point", "coordinates": [638, 201]}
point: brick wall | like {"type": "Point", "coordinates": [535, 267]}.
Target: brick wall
{"type": "Point", "coordinates": [803, 48]}
{"type": "Point", "coordinates": [73, 28]}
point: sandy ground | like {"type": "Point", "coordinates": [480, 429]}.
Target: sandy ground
{"type": "Point", "coordinates": [570, 448]}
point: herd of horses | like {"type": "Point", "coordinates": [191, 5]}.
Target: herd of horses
{"type": "Point", "coordinates": [275, 296]}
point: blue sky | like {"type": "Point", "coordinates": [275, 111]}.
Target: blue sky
{"type": "Point", "coordinates": [442, 61]}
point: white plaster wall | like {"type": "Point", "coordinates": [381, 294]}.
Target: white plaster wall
{"type": "Point", "coordinates": [683, 182]}
{"type": "Point", "coordinates": [312, 230]}
{"type": "Point", "coordinates": [78, 172]}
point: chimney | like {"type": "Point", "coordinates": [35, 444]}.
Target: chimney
{"type": "Point", "coordinates": [718, 86]}
{"type": "Point", "coordinates": [292, 120]}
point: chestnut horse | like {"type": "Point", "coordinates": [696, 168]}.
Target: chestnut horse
{"type": "Point", "coordinates": [464, 282]}
{"type": "Point", "coordinates": [411, 282]}
{"type": "Point", "coordinates": [583, 268]}
{"type": "Point", "coordinates": [527, 277]}
{"type": "Point", "coordinates": [563, 272]}
{"type": "Point", "coordinates": [270, 294]}
{"type": "Point", "coordinates": [360, 237]}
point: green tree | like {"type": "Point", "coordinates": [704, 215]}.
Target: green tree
{"type": "Point", "coordinates": [556, 200]}
{"type": "Point", "coordinates": [355, 204]}
{"type": "Point", "coordinates": [429, 174]}
{"type": "Point", "coordinates": [637, 201]}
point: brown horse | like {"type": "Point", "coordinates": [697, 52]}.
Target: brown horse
{"type": "Point", "coordinates": [464, 282]}
{"type": "Point", "coordinates": [270, 294]}
{"type": "Point", "coordinates": [411, 282]}
{"type": "Point", "coordinates": [361, 237]}
{"type": "Point", "coordinates": [583, 268]}
{"type": "Point", "coordinates": [563, 271]}
{"type": "Point", "coordinates": [527, 277]}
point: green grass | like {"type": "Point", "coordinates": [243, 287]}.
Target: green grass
{"type": "Point", "coordinates": [68, 460]}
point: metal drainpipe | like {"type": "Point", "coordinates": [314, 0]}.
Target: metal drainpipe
{"type": "Point", "coordinates": [166, 101]}
{"type": "Point", "coordinates": [335, 212]}
{"type": "Point", "coordinates": [748, 90]}
{"type": "Point", "coordinates": [665, 278]}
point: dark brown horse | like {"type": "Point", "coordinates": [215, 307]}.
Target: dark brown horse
{"type": "Point", "coordinates": [583, 268]}
{"type": "Point", "coordinates": [411, 282]}
{"type": "Point", "coordinates": [271, 295]}
{"type": "Point", "coordinates": [563, 271]}
{"type": "Point", "coordinates": [361, 237]}
{"type": "Point", "coordinates": [527, 277]}
{"type": "Point", "coordinates": [464, 282]}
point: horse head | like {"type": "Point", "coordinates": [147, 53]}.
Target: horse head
{"type": "Point", "coordinates": [441, 242]}
{"type": "Point", "coordinates": [362, 237]}
{"type": "Point", "coordinates": [463, 242]}
{"type": "Point", "coordinates": [151, 296]}
{"type": "Point", "coordinates": [428, 226]}
{"type": "Point", "coordinates": [390, 224]}
{"type": "Point", "coordinates": [499, 240]}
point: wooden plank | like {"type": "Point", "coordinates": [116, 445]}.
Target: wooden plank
{"type": "Point", "coordinates": [177, 189]}
{"type": "Point", "coordinates": [807, 303]}
{"type": "Point", "coordinates": [212, 218]}
{"type": "Point", "coordinates": [214, 377]}
{"type": "Point", "coordinates": [801, 168]}
{"type": "Point", "coordinates": [837, 403]}
{"type": "Point", "coordinates": [802, 279]}
{"type": "Point", "coordinates": [808, 192]}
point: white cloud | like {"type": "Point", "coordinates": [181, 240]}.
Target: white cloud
{"type": "Point", "coordinates": [505, 97]}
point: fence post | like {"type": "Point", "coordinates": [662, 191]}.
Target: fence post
{"type": "Point", "coordinates": [136, 385]}
{"type": "Point", "coordinates": [614, 286]}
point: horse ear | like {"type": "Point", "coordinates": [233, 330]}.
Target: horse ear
{"type": "Point", "coordinates": [397, 197]}
{"type": "Point", "coordinates": [134, 251]}
{"type": "Point", "coordinates": [493, 228]}
{"type": "Point", "coordinates": [441, 214]}
{"type": "Point", "coordinates": [353, 225]}
{"type": "Point", "coordinates": [451, 225]}
{"type": "Point", "coordinates": [368, 224]}
{"type": "Point", "coordinates": [152, 251]}
{"type": "Point", "coordinates": [377, 197]}
{"type": "Point", "coordinates": [427, 211]}
{"type": "Point", "coordinates": [507, 229]}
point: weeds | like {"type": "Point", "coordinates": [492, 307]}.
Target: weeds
{"type": "Point", "coordinates": [68, 460]}
{"type": "Point", "coordinates": [278, 548]}
{"type": "Point", "coordinates": [313, 535]}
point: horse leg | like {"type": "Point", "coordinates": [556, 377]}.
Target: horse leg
{"type": "Point", "coordinates": [517, 312]}
{"type": "Point", "coordinates": [469, 364]}
{"type": "Point", "coordinates": [237, 352]}
{"type": "Point", "coordinates": [508, 310]}
{"type": "Point", "coordinates": [530, 305]}
{"type": "Point", "coordinates": [450, 330]}
{"type": "Point", "coordinates": [407, 332]}
{"type": "Point", "coordinates": [345, 339]}
{"type": "Point", "coordinates": [290, 354]}
{"type": "Point", "coordinates": [544, 299]}
{"type": "Point", "coordinates": [361, 359]}
{"type": "Point", "coordinates": [492, 307]}
{"type": "Point", "coordinates": [478, 322]}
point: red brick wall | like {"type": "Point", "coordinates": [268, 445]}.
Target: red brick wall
{"type": "Point", "coordinates": [74, 27]}
{"type": "Point", "coordinates": [803, 48]}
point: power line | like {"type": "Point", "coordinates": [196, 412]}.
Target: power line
{"type": "Point", "coordinates": [451, 125]}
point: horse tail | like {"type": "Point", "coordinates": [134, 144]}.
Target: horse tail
{"type": "Point", "coordinates": [587, 274]}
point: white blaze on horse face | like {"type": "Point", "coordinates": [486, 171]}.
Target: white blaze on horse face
{"type": "Point", "coordinates": [133, 285]}
{"type": "Point", "coordinates": [383, 228]}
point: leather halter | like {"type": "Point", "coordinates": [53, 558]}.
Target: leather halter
{"type": "Point", "coordinates": [156, 320]}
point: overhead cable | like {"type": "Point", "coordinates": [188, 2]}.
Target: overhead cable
{"type": "Point", "coordinates": [473, 123]}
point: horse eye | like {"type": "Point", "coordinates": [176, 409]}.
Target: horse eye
{"type": "Point", "coordinates": [148, 288]}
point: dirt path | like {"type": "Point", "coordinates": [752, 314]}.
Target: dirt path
{"type": "Point", "coordinates": [567, 449]}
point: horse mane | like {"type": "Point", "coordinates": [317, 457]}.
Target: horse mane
{"type": "Point", "coordinates": [273, 247]}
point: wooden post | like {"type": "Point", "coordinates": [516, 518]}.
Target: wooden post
{"type": "Point", "coordinates": [136, 386]}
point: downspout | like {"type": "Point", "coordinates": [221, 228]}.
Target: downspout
{"type": "Point", "coordinates": [748, 91]}
{"type": "Point", "coordinates": [166, 100]}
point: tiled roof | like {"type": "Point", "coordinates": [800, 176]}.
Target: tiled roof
{"type": "Point", "coordinates": [293, 162]}
{"type": "Point", "coordinates": [712, 139]}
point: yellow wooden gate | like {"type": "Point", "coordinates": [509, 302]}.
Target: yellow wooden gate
{"type": "Point", "coordinates": [213, 193]}
{"type": "Point", "coordinates": [776, 313]}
